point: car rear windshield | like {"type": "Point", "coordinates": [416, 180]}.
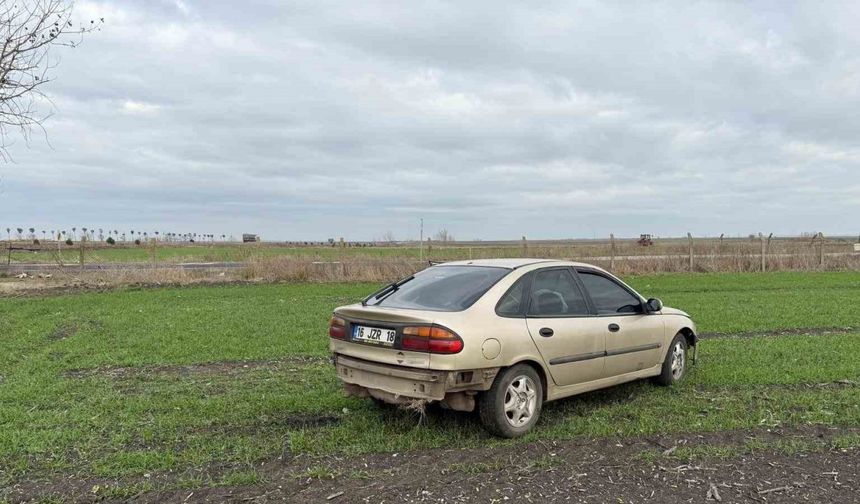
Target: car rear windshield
{"type": "Point", "coordinates": [443, 288]}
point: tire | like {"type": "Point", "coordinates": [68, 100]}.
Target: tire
{"type": "Point", "coordinates": [513, 404]}
{"type": "Point", "coordinates": [675, 364]}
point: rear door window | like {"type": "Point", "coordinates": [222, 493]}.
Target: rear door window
{"type": "Point", "coordinates": [443, 288]}
{"type": "Point", "coordinates": [555, 294]}
{"type": "Point", "coordinates": [512, 301]}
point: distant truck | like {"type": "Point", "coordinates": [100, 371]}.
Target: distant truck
{"type": "Point", "coordinates": [250, 238]}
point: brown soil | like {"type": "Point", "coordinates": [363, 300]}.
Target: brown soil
{"type": "Point", "coordinates": [221, 367]}
{"type": "Point", "coordinates": [70, 328]}
{"type": "Point", "coordinates": [810, 331]}
{"type": "Point", "coordinates": [580, 470]}
{"type": "Point", "coordinates": [37, 288]}
{"type": "Point", "coordinates": [571, 471]}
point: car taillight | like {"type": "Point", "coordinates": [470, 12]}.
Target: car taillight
{"type": "Point", "coordinates": [337, 328]}
{"type": "Point", "coordinates": [433, 339]}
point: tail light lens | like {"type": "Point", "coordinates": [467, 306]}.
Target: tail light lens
{"type": "Point", "coordinates": [337, 328]}
{"type": "Point", "coordinates": [433, 339]}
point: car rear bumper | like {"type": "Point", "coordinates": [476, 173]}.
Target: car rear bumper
{"type": "Point", "coordinates": [402, 385]}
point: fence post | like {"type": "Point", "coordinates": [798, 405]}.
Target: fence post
{"type": "Point", "coordinates": [690, 238]}
{"type": "Point", "coordinates": [767, 247]}
{"type": "Point", "coordinates": [83, 240]}
{"type": "Point", "coordinates": [821, 250]}
{"type": "Point", "coordinates": [525, 247]}
{"type": "Point", "coordinates": [611, 251]}
{"type": "Point", "coordinates": [763, 264]}
{"type": "Point", "coordinates": [153, 253]}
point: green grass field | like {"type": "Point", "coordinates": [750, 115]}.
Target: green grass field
{"type": "Point", "coordinates": [127, 383]}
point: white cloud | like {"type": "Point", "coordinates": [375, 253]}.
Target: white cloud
{"type": "Point", "coordinates": [136, 107]}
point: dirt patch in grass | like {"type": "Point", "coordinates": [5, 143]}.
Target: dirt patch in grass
{"type": "Point", "coordinates": [597, 470]}
{"type": "Point", "coordinates": [294, 421]}
{"type": "Point", "coordinates": [809, 331]}
{"type": "Point", "coordinates": [223, 367]}
{"type": "Point", "coordinates": [728, 388]}
{"type": "Point", "coordinates": [69, 329]}
{"type": "Point", "coordinates": [64, 331]}
{"type": "Point", "coordinates": [765, 465]}
{"type": "Point", "coordinates": [38, 288]}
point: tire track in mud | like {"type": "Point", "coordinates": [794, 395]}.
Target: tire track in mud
{"type": "Point", "coordinates": [795, 331]}
{"type": "Point", "coordinates": [218, 367]}
{"type": "Point", "coordinates": [575, 470]}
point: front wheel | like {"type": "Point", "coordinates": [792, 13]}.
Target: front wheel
{"type": "Point", "coordinates": [513, 404]}
{"type": "Point", "coordinates": [675, 363]}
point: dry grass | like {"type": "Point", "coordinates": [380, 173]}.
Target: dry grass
{"type": "Point", "coordinates": [292, 269]}
{"type": "Point", "coordinates": [62, 280]}
{"type": "Point", "coordinates": [710, 255]}
{"type": "Point", "coordinates": [735, 263]}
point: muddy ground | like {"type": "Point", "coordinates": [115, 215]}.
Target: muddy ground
{"type": "Point", "coordinates": [571, 471]}
{"type": "Point", "coordinates": [582, 470]}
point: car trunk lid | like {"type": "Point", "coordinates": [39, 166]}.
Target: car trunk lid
{"type": "Point", "coordinates": [386, 319]}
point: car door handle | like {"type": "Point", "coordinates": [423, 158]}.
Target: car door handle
{"type": "Point", "coordinates": [546, 332]}
{"type": "Point", "coordinates": [614, 327]}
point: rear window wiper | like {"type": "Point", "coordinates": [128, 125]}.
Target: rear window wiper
{"type": "Point", "coordinates": [386, 291]}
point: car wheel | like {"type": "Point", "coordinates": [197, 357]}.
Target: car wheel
{"type": "Point", "coordinates": [675, 363]}
{"type": "Point", "coordinates": [513, 404]}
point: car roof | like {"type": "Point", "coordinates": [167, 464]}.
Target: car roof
{"type": "Point", "coordinates": [513, 263]}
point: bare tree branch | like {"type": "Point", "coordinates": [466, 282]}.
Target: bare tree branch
{"type": "Point", "coordinates": [29, 29]}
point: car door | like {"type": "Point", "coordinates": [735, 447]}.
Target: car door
{"type": "Point", "coordinates": [570, 340]}
{"type": "Point", "coordinates": [633, 337]}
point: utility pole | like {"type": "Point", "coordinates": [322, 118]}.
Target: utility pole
{"type": "Point", "coordinates": [611, 252]}
{"type": "Point", "coordinates": [690, 239]}
{"type": "Point", "coordinates": [421, 242]}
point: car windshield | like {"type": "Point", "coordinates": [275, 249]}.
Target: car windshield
{"type": "Point", "coordinates": [443, 288]}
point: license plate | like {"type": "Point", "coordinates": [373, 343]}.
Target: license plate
{"type": "Point", "coordinates": [373, 335]}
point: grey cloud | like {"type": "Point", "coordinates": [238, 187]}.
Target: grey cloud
{"type": "Point", "coordinates": [315, 119]}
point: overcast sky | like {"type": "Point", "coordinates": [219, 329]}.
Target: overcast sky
{"type": "Point", "coordinates": [317, 119]}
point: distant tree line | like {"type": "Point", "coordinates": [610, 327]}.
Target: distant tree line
{"type": "Point", "coordinates": [110, 236]}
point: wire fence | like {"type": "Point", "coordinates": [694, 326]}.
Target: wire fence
{"type": "Point", "coordinates": [383, 261]}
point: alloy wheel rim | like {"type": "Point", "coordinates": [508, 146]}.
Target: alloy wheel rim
{"type": "Point", "coordinates": [520, 401]}
{"type": "Point", "coordinates": [678, 360]}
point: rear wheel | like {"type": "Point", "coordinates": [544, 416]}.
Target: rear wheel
{"type": "Point", "coordinates": [675, 363]}
{"type": "Point", "coordinates": [513, 404]}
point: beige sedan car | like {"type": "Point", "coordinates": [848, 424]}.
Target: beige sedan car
{"type": "Point", "coordinates": [504, 336]}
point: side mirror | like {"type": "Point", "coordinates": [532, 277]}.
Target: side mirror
{"type": "Point", "coordinates": [654, 305]}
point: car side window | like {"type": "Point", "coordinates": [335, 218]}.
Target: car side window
{"type": "Point", "coordinates": [555, 294]}
{"type": "Point", "coordinates": [509, 305]}
{"type": "Point", "coordinates": [609, 298]}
